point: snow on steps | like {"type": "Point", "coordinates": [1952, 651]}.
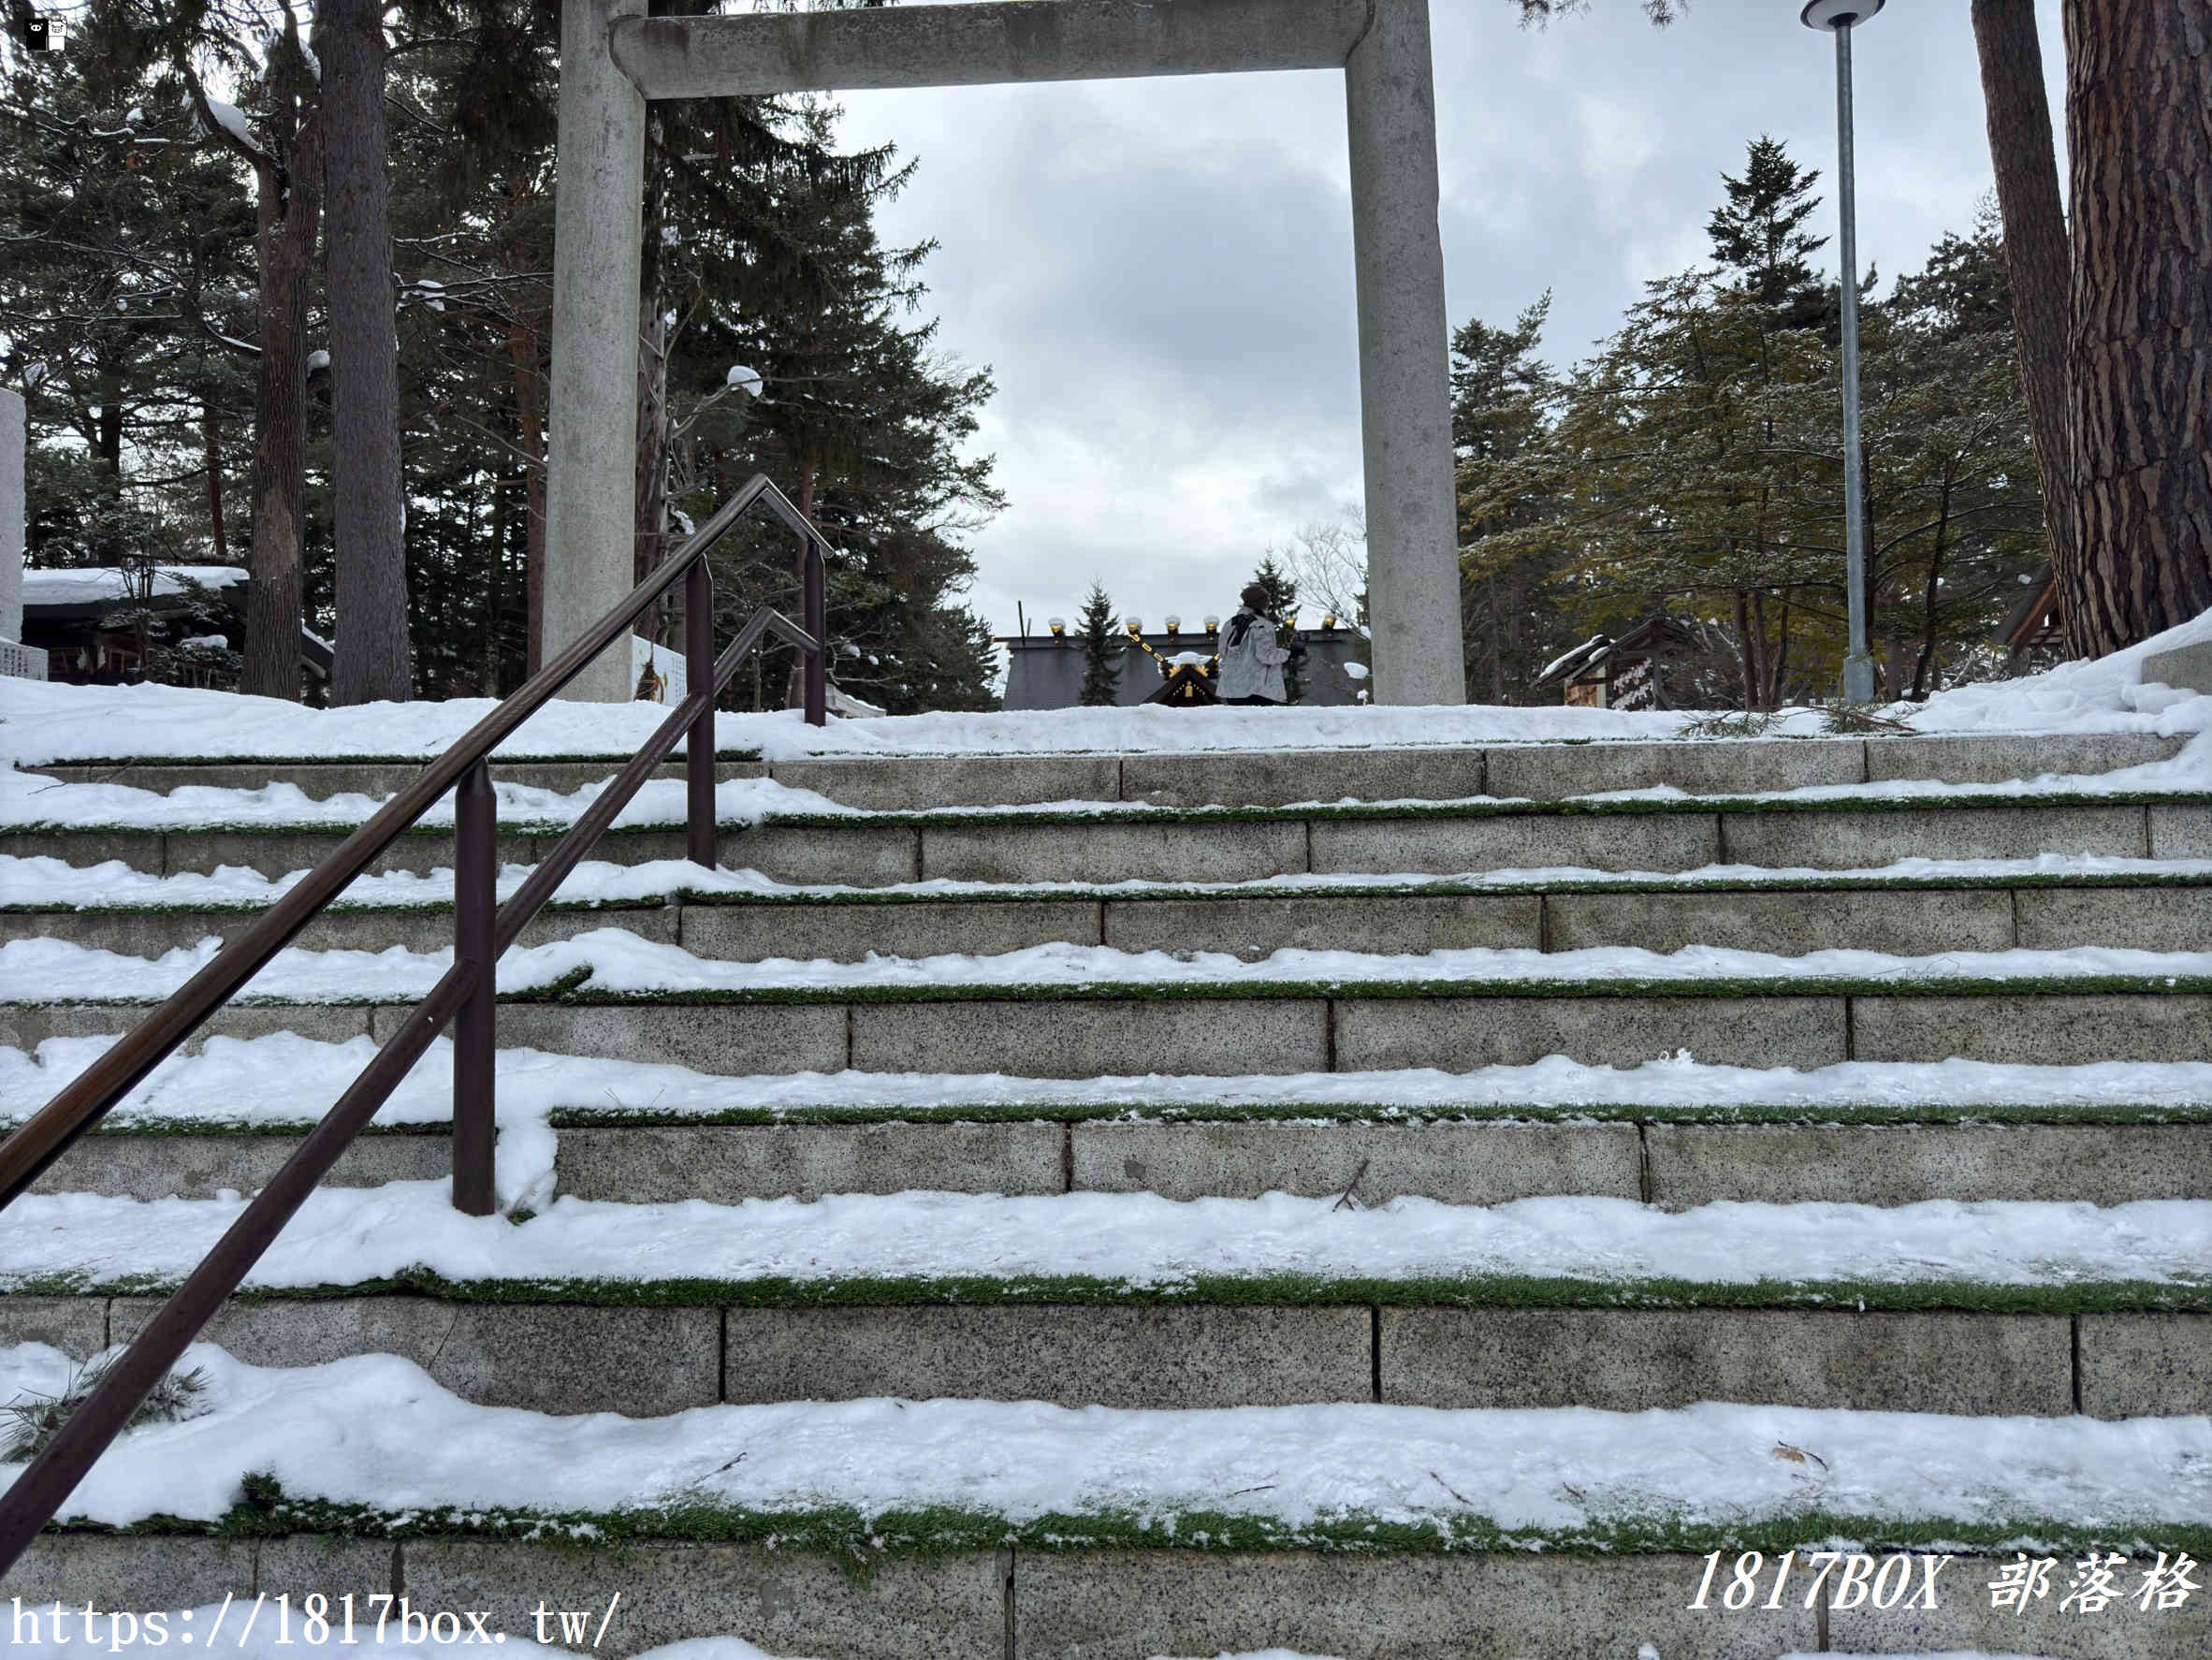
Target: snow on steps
{"type": "Point", "coordinates": [1541, 1533]}
{"type": "Point", "coordinates": [1913, 908]}
{"type": "Point", "coordinates": [1240, 779]}
{"type": "Point", "coordinates": [1162, 846]}
{"type": "Point", "coordinates": [1186, 1601]}
{"type": "Point", "coordinates": [44, 723]}
{"type": "Point", "coordinates": [1674, 1133]}
{"type": "Point", "coordinates": [1109, 842]}
{"type": "Point", "coordinates": [1134, 1300]}
{"type": "Point", "coordinates": [1075, 1012]}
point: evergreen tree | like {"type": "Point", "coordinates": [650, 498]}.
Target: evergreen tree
{"type": "Point", "coordinates": [1101, 650]}
{"type": "Point", "coordinates": [762, 253]}
{"type": "Point", "coordinates": [129, 254]}
{"type": "Point", "coordinates": [1282, 605]}
{"type": "Point", "coordinates": [1502, 399]}
{"type": "Point", "coordinates": [1696, 466]}
{"type": "Point", "coordinates": [2117, 326]}
{"type": "Point", "coordinates": [1758, 233]}
{"type": "Point", "coordinates": [855, 409]}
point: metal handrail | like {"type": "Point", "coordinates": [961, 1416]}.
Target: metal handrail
{"type": "Point", "coordinates": [465, 994]}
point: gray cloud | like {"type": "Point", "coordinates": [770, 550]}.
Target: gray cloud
{"type": "Point", "coordinates": [1159, 272]}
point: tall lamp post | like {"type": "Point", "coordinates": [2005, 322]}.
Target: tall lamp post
{"type": "Point", "coordinates": [1839, 17]}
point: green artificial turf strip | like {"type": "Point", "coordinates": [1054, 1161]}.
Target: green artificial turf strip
{"type": "Point", "coordinates": [572, 990]}
{"type": "Point", "coordinates": [581, 994]}
{"type": "Point", "coordinates": [593, 1117]}
{"type": "Point", "coordinates": [1268, 1290]}
{"type": "Point", "coordinates": [1349, 888]}
{"type": "Point", "coordinates": [857, 1541]}
{"type": "Point", "coordinates": [1379, 1113]}
{"type": "Point", "coordinates": [1140, 813]}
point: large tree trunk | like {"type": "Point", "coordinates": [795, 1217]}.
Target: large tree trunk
{"type": "Point", "coordinates": [210, 444]}
{"type": "Point", "coordinates": [794, 690]}
{"type": "Point", "coordinates": [529, 428]}
{"type": "Point", "coordinates": [107, 448]}
{"type": "Point", "coordinates": [2035, 252]}
{"type": "Point", "coordinates": [371, 655]}
{"type": "Point", "coordinates": [650, 491]}
{"type": "Point", "coordinates": [524, 342]}
{"type": "Point", "coordinates": [495, 600]}
{"type": "Point", "coordinates": [2139, 131]}
{"type": "Point", "coordinates": [290, 206]}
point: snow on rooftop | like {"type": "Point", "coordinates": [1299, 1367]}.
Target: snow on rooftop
{"type": "Point", "coordinates": [93, 585]}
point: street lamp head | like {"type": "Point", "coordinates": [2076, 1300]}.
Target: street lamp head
{"type": "Point", "coordinates": [1837, 14]}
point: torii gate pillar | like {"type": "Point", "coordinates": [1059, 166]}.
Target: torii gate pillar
{"type": "Point", "coordinates": [612, 59]}
{"type": "Point", "coordinates": [591, 413]}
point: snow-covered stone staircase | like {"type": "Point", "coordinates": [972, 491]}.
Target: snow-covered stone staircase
{"type": "Point", "coordinates": [1339, 1150]}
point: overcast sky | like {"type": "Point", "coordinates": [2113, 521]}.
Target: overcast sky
{"type": "Point", "coordinates": [1159, 272]}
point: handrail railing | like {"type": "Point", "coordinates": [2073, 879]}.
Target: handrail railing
{"type": "Point", "coordinates": [465, 994]}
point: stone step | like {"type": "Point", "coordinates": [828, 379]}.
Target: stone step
{"type": "Point", "coordinates": [1672, 1164]}
{"type": "Point", "coordinates": [1176, 845]}
{"type": "Point", "coordinates": [1906, 918]}
{"type": "Point", "coordinates": [319, 780]}
{"type": "Point", "coordinates": [1537, 771]}
{"type": "Point", "coordinates": [1077, 1601]}
{"type": "Point", "coordinates": [1238, 1346]}
{"type": "Point", "coordinates": [1230, 1029]}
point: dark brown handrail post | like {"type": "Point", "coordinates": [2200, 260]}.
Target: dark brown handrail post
{"type": "Point", "coordinates": [817, 624]}
{"type": "Point", "coordinates": [699, 744]}
{"type": "Point", "coordinates": [475, 1040]}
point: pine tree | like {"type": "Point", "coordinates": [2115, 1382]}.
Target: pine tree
{"type": "Point", "coordinates": [780, 269]}
{"type": "Point", "coordinates": [1758, 232]}
{"type": "Point", "coordinates": [1101, 650]}
{"type": "Point", "coordinates": [1282, 605]}
{"type": "Point", "coordinates": [1502, 397]}
{"type": "Point", "coordinates": [1696, 466]}
{"type": "Point", "coordinates": [129, 254]}
{"type": "Point", "coordinates": [2123, 419]}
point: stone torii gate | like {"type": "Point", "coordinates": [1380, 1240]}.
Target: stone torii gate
{"type": "Point", "coordinates": [614, 58]}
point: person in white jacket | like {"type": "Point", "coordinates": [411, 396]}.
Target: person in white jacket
{"type": "Point", "coordinates": [1252, 658]}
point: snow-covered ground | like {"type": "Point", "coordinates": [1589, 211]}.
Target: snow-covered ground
{"type": "Point", "coordinates": [356, 1235]}
{"type": "Point", "coordinates": [42, 723]}
{"type": "Point", "coordinates": [377, 1431]}
{"type": "Point", "coordinates": [612, 962]}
